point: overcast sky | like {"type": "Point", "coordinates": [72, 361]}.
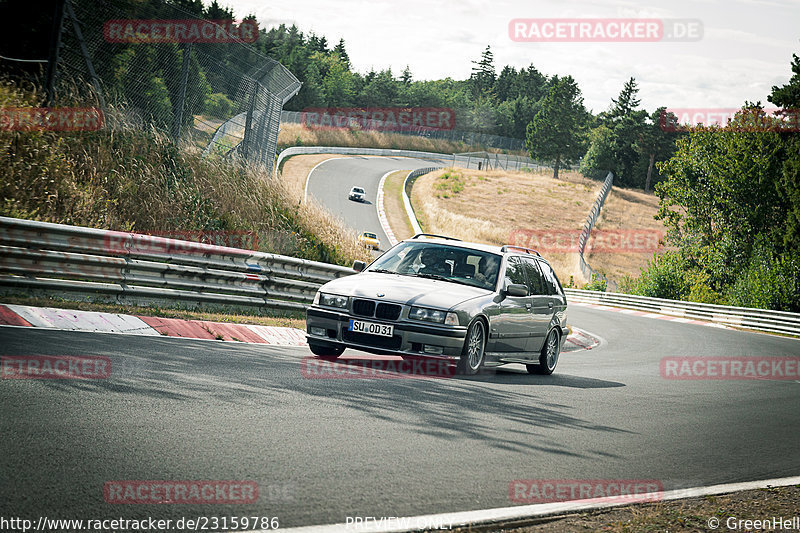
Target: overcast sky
{"type": "Point", "coordinates": [746, 47]}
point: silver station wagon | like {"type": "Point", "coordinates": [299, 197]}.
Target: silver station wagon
{"type": "Point", "coordinates": [431, 296]}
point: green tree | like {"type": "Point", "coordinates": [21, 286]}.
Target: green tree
{"type": "Point", "coordinates": [483, 74]}
{"type": "Point", "coordinates": [557, 132]}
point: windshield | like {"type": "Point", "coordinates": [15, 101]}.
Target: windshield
{"type": "Point", "coordinates": [448, 263]}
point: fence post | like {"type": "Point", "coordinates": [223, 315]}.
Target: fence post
{"type": "Point", "coordinates": [55, 49]}
{"type": "Point", "coordinates": [85, 52]}
{"type": "Point", "coordinates": [178, 113]}
{"type": "Point", "coordinates": [248, 123]}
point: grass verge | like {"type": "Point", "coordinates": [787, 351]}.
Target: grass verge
{"type": "Point", "coordinates": [393, 205]}
{"type": "Point", "coordinates": [130, 178]}
{"type": "Point", "coordinates": [298, 135]}
{"type": "Point", "coordinates": [681, 516]}
{"type": "Point", "coordinates": [490, 206]}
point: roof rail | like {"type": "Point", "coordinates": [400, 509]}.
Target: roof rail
{"type": "Point", "coordinates": [508, 247]}
{"type": "Point", "coordinates": [435, 236]}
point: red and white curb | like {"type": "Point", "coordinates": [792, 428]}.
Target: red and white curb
{"type": "Point", "coordinates": [580, 339]}
{"type": "Point", "coordinates": [498, 516]}
{"type": "Point", "coordinates": [71, 320]}
{"type": "Point", "coordinates": [649, 314]}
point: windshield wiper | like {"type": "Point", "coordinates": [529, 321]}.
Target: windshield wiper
{"type": "Point", "coordinates": [383, 271]}
{"type": "Point", "coordinates": [432, 276]}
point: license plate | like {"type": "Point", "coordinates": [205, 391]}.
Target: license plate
{"type": "Point", "coordinates": [371, 328]}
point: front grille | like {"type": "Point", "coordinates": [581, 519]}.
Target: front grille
{"type": "Point", "coordinates": [387, 311]}
{"type": "Point", "coordinates": [376, 341]}
{"type": "Point", "coordinates": [363, 307]}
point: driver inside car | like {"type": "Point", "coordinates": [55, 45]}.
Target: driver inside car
{"type": "Point", "coordinates": [433, 262]}
{"type": "Point", "coordinates": [487, 270]}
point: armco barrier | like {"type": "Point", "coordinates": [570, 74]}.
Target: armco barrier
{"type": "Point", "coordinates": [140, 268]}
{"type": "Point", "coordinates": [744, 317]}
{"type": "Point", "coordinates": [407, 201]}
{"type": "Point", "coordinates": [133, 268]}
{"type": "Point", "coordinates": [586, 232]}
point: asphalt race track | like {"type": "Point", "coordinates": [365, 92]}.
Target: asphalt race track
{"type": "Point", "coordinates": [330, 182]}
{"type": "Point", "coordinates": [322, 450]}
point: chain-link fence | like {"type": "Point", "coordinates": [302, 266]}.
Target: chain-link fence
{"type": "Point", "coordinates": [183, 72]}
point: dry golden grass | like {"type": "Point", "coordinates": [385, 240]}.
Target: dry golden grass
{"type": "Point", "coordinates": [299, 135]}
{"type": "Point", "coordinates": [393, 205]}
{"type": "Point", "coordinates": [487, 206]}
{"type": "Point", "coordinates": [135, 179]}
{"type": "Point", "coordinates": [625, 209]}
{"type": "Point", "coordinates": [493, 204]}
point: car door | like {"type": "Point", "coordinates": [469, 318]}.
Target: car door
{"type": "Point", "coordinates": [554, 288]}
{"type": "Point", "coordinates": [512, 326]}
{"type": "Point", "coordinates": [541, 304]}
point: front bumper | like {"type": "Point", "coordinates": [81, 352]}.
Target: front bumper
{"type": "Point", "coordinates": [410, 338]}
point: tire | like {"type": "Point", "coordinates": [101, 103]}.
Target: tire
{"type": "Point", "coordinates": [323, 350]}
{"type": "Point", "coordinates": [473, 353]}
{"type": "Point", "coordinates": [548, 358]}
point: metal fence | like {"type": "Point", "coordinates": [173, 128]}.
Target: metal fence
{"type": "Point", "coordinates": [590, 273]}
{"type": "Point", "coordinates": [452, 160]}
{"type": "Point", "coordinates": [186, 89]}
{"type": "Point", "coordinates": [744, 317]}
{"type": "Point", "coordinates": [470, 138]}
{"type": "Point", "coordinates": [127, 268]}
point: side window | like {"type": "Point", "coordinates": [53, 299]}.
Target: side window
{"type": "Point", "coordinates": [553, 285]}
{"type": "Point", "coordinates": [515, 272]}
{"type": "Point", "coordinates": [537, 282]}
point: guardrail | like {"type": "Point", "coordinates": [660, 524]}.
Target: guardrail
{"type": "Point", "coordinates": [586, 232]}
{"type": "Point", "coordinates": [143, 269]}
{"type": "Point", "coordinates": [132, 268]}
{"type": "Point", "coordinates": [744, 317]}
{"type": "Point", "coordinates": [414, 174]}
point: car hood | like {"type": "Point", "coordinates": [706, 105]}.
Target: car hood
{"type": "Point", "coordinates": [403, 289]}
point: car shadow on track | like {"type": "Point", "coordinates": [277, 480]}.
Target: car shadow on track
{"type": "Point", "coordinates": [513, 376]}
{"type": "Point", "coordinates": [504, 409]}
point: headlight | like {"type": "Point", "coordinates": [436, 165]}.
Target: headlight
{"type": "Point", "coordinates": [332, 300]}
{"type": "Point", "coordinates": [433, 315]}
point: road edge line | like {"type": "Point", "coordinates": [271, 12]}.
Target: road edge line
{"type": "Point", "coordinates": [387, 229]}
{"type": "Point", "coordinates": [517, 514]}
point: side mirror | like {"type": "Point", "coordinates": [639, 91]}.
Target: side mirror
{"type": "Point", "coordinates": [517, 289]}
{"type": "Point", "coordinates": [359, 266]}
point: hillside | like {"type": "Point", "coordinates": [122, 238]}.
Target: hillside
{"type": "Point", "coordinates": [133, 179]}
{"type": "Point", "coordinates": [499, 207]}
